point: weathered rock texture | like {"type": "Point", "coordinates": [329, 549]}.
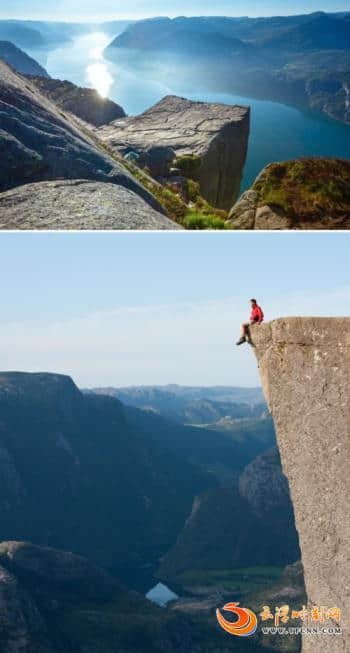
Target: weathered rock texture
{"type": "Point", "coordinates": [217, 133]}
{"type": "Point", "coordinates": [304, 366]}
{"type": "Point", "coordinates": [78, 204]}
{"type": "Point", "coordinates": [86, 103]}
{"type": "Point", "coordinates": [40, 143]}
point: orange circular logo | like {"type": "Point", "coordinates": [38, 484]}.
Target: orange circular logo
{"type": "Point", "coordinates": [245, 625]}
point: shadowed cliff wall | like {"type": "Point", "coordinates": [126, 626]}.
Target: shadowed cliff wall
{"type": "Point", "coordinates": [304, 365]}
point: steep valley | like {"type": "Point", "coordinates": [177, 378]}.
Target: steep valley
{"type": "Point", "coordinates": [150, 486]}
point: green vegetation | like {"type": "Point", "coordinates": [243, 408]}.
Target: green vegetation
{"type": "Point", "coordinates": [195, 220]}
{"type": "Point", "coordinates": [308, 189]}
{"type": "Point", "coordinates": [197, 214]}
{"type": "Point", "coordinates": [193, 190]}
{"type": "Point", "coordinates": [189, 165]}
{"type": "Point", "coordinates": [241, 581]}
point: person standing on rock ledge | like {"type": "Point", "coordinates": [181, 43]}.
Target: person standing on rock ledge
{"type": "Point", "coordinates": [256, 317]}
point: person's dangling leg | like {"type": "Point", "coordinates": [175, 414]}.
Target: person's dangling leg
{"type": "Point", "coordinates": [244, 332]}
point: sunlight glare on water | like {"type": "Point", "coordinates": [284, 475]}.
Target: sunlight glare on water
{"type": "Point", "coordinates": [98, 76]}
{"type": "Point", "coordinates": [278, 132]}
{"type": "Point", "coordinates": [96, 72]}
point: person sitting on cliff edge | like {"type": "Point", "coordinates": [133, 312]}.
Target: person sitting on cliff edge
{"type": "Point", "coordinates": [256, 317]}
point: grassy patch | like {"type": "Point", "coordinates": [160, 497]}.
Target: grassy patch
{"type": "Point", "coordinates": [240, 581]}
{"type": "Point", "coordinates": [189, 165]}
{"type": "Point", "coordinates": [198, 221]}
{"type": "Point", "coordinates": [308, 188]}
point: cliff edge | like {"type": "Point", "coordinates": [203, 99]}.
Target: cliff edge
{"type": "Point", "coordinates": [304, 366]}
{"type": "Point", "coordinates": [217, 134]}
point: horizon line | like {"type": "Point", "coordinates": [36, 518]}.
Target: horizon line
{"type": "Point", "coordinates": [110, 19]}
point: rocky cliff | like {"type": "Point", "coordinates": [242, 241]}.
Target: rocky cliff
{"type": "Point", "coordinates": [39, 143]}
{"type": "Point", "coordinates": [215, 133]}
{"type": "Point", "coordinates": [53, 601]}
{"type": "Point", "coordinates": [304, 368]}
{"type": "Point", "coordinates": [20, 61]}
{"type": "Point", "coordinates": [86, 103]}
{"type": "Point", "coordinates": [310, 193]}
{"type": "Point", "coordinates": [69, 460]}
{"type": "Point", "coordinates": [248, 524]}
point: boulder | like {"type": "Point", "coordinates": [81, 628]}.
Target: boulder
{"type": "Point", "coordinates": [309, 193]}
{"type": "Point", "coordinates": [242, 215]}
{"type": "Point", "coordinates": [158, 159]}
{"type": "Point", "coordinates": [272, 217]}
{"type": "Point", "coordinates": [216, 133]}
{"type": "Point", "coordinates": [78, 204]}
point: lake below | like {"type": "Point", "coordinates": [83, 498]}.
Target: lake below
{"type": "Point", "coordinates": [278, 132]}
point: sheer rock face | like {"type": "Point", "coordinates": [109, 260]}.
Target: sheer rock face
{"type": "Point", "coordinates": [217, 133]}
{"type": "Point", "coordinates": [39, 143]}
{"type": "Point", "coordinates": [305, 371]}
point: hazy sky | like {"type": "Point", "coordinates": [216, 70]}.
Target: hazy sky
{"type": "Point", "coordinates": [113, 9]}
{"type": "Point", "coordinates": [123, 309]}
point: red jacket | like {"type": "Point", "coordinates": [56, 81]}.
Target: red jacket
{"type": "Point", "coordinates": [256, 315]}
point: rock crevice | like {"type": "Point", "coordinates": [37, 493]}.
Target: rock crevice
{"type": "Point", "coordinates": [304, 365]}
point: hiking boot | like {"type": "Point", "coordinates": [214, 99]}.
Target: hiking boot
{"type": "Point", "coordinates": [241, 341]}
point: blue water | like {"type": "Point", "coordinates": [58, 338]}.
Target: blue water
{"type": "Point", "coordinates": [278, 132]}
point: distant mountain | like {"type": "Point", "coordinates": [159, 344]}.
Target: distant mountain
{"type": "Point", "coordinates": [69, 459]}
{"type": "Point", "coordinates": [192, 405]}
{"type": "Point", "coordinates": [322, 32]}
{"type": "Point", "coordinates": [114, 27]}
{"type": "Point", "coordinates": [77, 474]}
{"type": "Point", "coordinates": [34, 34]}
{"type": "Point", "coordinates": [303, 60]}
{"type": "Point", "coordinates": [189, 37]}
{"type": "Point", "coordinates": [223, 453]}
{"type": "Point", "coordinates": [20, 61]}
{"type": "Point", "coordinates": [125, 487]}
{"type": "Point", "coordinates": [21, 33]}
{"type": "Point", "coordinates": [225, 36]}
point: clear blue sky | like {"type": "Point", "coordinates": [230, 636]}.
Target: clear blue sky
{"type": "Point", "coordinates": [127, 309]}
{"type": "Point", "coordinates": [113, 9]}
{"type": "Point", "coordinates": [60, 275]}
